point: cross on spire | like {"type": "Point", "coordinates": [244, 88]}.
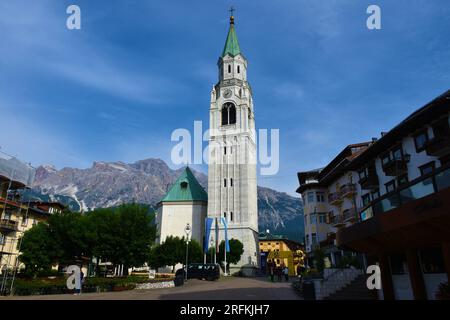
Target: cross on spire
{"type": "Point", "coordinates": [232, 15]}
{"type": "Point", "coordinates": [232, 9]}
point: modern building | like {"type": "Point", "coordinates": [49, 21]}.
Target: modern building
{"type": "Point", "coordinates": [185, 203]}
{"type": "Point", "coordinates": [389, 200]}
{"type": "Point", "coordinates": [232, 186]}
{"type": "Point", "coordinates": [281, 251]}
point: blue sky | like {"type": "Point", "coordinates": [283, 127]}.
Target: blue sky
{"type": "Point", "coordinates": [137, 70]}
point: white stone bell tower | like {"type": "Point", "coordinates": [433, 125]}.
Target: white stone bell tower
{"type": "Point", "coordinates": [232, 186]}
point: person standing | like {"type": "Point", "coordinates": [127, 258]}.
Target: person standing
{"type": "Point", "coordinates": [271, 270]}
{"type": "Point", "coordinates": [286, 273]}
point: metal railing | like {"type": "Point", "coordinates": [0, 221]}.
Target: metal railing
{"type": "Point", "coordinates": [416, 189]}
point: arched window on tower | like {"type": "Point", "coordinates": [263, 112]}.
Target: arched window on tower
{"type": "Point", "coordinates": [238, 69]}
{"type": "Point", "coordinates": [228, 114]}
{"type": "Point", "coordinates": [229, 68]}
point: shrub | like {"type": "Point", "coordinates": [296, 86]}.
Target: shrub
{"type": "Point", "coordinates": [443, 292]}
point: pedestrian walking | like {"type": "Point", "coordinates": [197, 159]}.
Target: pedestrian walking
{"type": "Point", "coordinates": [286, 273]}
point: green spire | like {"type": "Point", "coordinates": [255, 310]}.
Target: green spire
{"type": "Point", "coordinates": [186, 188]}
{"type": "Point", "coordinates": [232, 44]}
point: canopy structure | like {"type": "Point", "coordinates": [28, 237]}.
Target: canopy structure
{"type": "Point", "coordinates": [16, 171]}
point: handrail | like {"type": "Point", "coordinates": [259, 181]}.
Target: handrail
{"type": "Point", "coordinates": [405, 186]}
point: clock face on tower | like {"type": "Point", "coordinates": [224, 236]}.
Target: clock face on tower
{"type": "Point", "coordinates": [227, 93]}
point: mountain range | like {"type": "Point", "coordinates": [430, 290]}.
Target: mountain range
{"type": "Point", "coordinates": [108, 184]}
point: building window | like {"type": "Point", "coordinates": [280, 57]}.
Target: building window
{"type": "Point", "coordinates": [313, 219]}
{"type": "Point", "coordinates": [224, 183]}
{"type": "Point", "coordinates": [390, 186]}
{"type": "Point", "coordinates": [375, 194]}
{"type": "Point", "coordinates": [320, 196]}
{"type": "Point", "coordinates": [225, 216]}
{"type": "Point", "coordinates": [24, 221]}
{"type": "Point", "coordinates": [402, 180]}
{"type": "Point", "coordinates": [313, 239]}
{"type": "Point", "coordinates": [229, 68]}
{"type": "Point", "coordinates": [432, 261]}
{"type": "Point", "coordinates": [366, 199]}
{"type": "Point", "coordinates": [397, 153]}
{"type": "Point", "coordinates": [225, 150]}
{"type": "Point", "coordinates": [322, 218]}
{"type": "Point", "coordinates": [420, 140]}
{"type": "Point", "coordinates": [7, 215]}
{"type": "Point", "coordinates": [238, 69]}
{"type": "Point", "coordinates": [427, 168]}
{"type": "Point", "coordinates": [228, 114]}
{"type": "Point", "coordinates": [231, 215]}
{"type": "Point", "coordinates": [398, 264]}
{"type": "Point", "coordinates": [2, 239]}
{"type": "Point", "coordinates": [310, 197]}
{"type": "Point", "coordinates": [231, 182]}
{"type": "Point", "coordinates": [362, 174]}
{"type": "Point", "coordinates": [386, 158]}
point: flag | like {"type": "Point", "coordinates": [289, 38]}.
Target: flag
{"type": "Point", "coordinates": [208, 224]}
{"type": "Point", "coordinates": [217, 235]}
{"type": "Point", "coordinates": [227, 244]}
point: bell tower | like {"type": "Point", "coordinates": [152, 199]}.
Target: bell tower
{"type": "Point", "coordinates": [232, 185]}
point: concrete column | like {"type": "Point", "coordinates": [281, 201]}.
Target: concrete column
{"type": "Point", "coordinates": [386, 278]}
{"type": "Point", "coordinates": [415, 276]}
{"type": "Point", "coordinates": [446, 256]}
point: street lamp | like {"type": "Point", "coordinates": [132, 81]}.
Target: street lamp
{"type": "Point", "coordinates": [187, 230]}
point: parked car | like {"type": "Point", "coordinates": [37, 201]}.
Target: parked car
{"type": "Point", "coordinates": [207, 271]}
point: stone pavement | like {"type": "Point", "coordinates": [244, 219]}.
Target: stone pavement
{"type": "Point", "coordinates": [227, 288]}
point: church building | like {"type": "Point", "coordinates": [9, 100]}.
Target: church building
{"type": "Point", "coordinates": [232, 185]}
{"type": "Point", "coordinates": [185, 203]}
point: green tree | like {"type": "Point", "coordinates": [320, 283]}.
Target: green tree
{"type": "Point", "coordinates": [319, 259]}
{"type": "Point", "coordinates": [195, 252]}
{"type": "Point", "coordinates": [124, 235]}
{"type": "Point", "coordinates": [38, 249]}
{"type": "Point", "coordinates": [71, 233]}
{"type": "Point", "coordinates": [234, 256]}
{"type": "Point", "coordinates": [173, 251]}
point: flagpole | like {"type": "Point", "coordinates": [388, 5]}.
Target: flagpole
{"type": "Point", "coordinates": [225, 258]}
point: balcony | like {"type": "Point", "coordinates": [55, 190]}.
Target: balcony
{"type": "Point", "coordinates": [368, 178]}
{"type": "Point", "coordinates": [8, 225]}
{"type": "Point", "coordinates": [438, 146]}
{"type": "Point", "coordinates": [336, 220]}
{"type": "Point", "coordinates": [335, 199]}
{"type": "Point", "coordinates": [396, 166]}
{"type": "Point", "coordinates": [414, 190]}
{"type": "Point", "coordinates": [348, 190]}
{"type": "Point", "coordinates": [350, 215]}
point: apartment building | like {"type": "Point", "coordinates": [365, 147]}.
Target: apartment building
{"type": "Point", "coordinates": [17, 215]}
{"type": "Point", "coordinates": [331, 198]}
{"type": "Point", "coordinates": [389, 199]}
{"type": "Point", "coordinates": [404, 221]}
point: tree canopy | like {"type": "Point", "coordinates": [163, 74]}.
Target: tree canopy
{"type": "Point", "coordinates": [121, 235]}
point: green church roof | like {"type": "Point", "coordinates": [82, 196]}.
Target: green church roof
{"type": "Point", "coordinates": [232, 44]}
{"type": "Point", "coordinates": [186, 188]}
